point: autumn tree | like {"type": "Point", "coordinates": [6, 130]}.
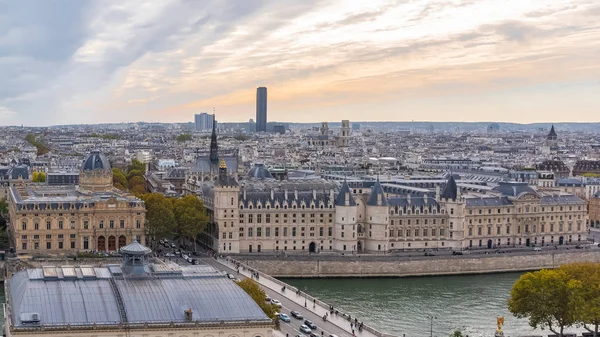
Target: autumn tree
{"type": "Point", "coordinates": [137, 185]}
{"type": "Point", "coordinates": [3, 212]}
{"type": "Point", "coordinates": [190, 216]}
{"type": "Point", "coordinates": [584, 287]}
{"type": "Point", "coordinates": [543, 297]}
{"type": "Point", "coordinates": [184, 137]}
{"type": "Point", "coordinates": [119, 179]}
{"type": "Point", "coordinates": [258, 295]}
{"type": "Point", "coordinates": [160, 220]}
{"type": "Point", "coordinates": [136, 165]}
{"type": "Point", "coordinates": [38, 177]}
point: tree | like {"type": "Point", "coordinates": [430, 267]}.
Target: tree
{"type": "Point", "coordinates": [137, 185]}
{"type": "Point", "coordinates": [38, 177]}
{"type": "Point", "coordinates": [136, 165]}
{"type": "Point", "coordinates": [258, 295]}
{"type": "Point", "coordinates": [456, 333]}
{"type": "Point", "coordinates": [119, 179]}
{"type": "Point", "coordinates": [3, 213]}
{"type": "Point", "coordinates": [184, 137]}
{"type": "Point", "coordinates": [190, 216]}
{"type": "Point", "coordinates": [544, 297]}
{"type": "Point", "coordinates": [584, 286]}
{"type": "Point", "coordinates": [134, 173]}
{"type": "Point", "coordinates": [160, 220]}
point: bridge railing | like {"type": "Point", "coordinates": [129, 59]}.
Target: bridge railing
{"type": "Point", "coordinates": [306, 295]}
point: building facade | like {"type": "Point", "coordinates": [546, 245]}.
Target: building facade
{"type": "Point", "coordinates": [66, 219]}
{"type": "Point", "coordinates": [261, 109]}
{"type": "Point", "coordinates": [203, 121]}
{"type": "Point", "coordinates": [314, 215]}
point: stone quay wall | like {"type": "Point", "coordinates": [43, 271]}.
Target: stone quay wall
{"type": "Point", "coordinates": [393, 266]}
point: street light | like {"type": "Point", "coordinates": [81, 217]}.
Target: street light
{"type": "Point", "coordinates": [431, 318]}
{"type": "Point", "coordinates": [305, 295]}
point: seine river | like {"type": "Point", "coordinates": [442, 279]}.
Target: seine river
{"type": "Point", "coordinates": [401, 305]}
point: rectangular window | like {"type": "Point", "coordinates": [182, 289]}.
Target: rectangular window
{"type": "Point", "coordinates": [250, 218]}
{"type": "Point", "coordinates": [489, 232]}
{"type": "Point", "coordinates": [61, 236]}
{"type": "Point", "coordinates": [442, 232]}
{"type": "Point", "coordinates": [425, 232]}
{"type": "Point", "coordinates": [498, 230]}
{"type": "Point", "coordinates": [268, 231]}
{"type": "Point", "coordinates": [268, 218]}
{"type": "Point", "coordinates": [72, 236]}
{"type": "Point", "coordinates": [101, 224]}
{"type": "Point", "coordinates": [224, 235]}
{"type": "Point", "coordinates": [60, 245]}
{"type": "Point", "coordinates": [258, 218]}
{"type": "Point", "coordinates": [258, 232]}
{"type": "Point", "coordinates": [48, 245]}
{"type": "Point", "coordinates": [72, 244]}
{"type": "Point", "coordinates": [138, 223]}
{"type": "Point", "coordinates": [249, 232]}
{"type": "Point", "coordinates": [86, 224]}
{"type": "Point", "coordinates": [24, 226]}
{"type": "Point", "coordinates": [293, 231]}
{"type": "Point", "coordinates": [320, 231]}
{"type": "Point", "coordinates": [470, 231]}
{"type": "Point", "coordinates": [231, 235]}
{"type": "Point", "coordinates": [86, 242]}
{"type": "Point", "coordinates": [72, 224]}
{"type": "Point", "coordinates": [121, 223]}
{"type": "Point", "coordinates": [276, 231]}
{"type": "Point", "coordinates": [24, 245]}
{"type": "Point", "coordinates": [285, 231]}
{"type": "Point", "coordinates": [111, 223]}
{"type": "Point", "coordinates": [507, 229]}
{"type": "Point", "coordinates": [48, 236]}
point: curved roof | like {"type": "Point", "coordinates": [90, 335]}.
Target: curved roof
{"type": "Point", "coordinates": [259, 171]}
{"type": "Point", "coordinates": [513, 189]}
{"type": "Point", "coordinates": [135, 248]}
{"type": "Point", "coordinates": [96, 161]}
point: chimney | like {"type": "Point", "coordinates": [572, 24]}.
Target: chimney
{"type": "Point", "coordinates": [425, 197]}
{"type": "Point", "coordinates": [285, 194]}
{"type": "Point", "coordinates": [314, 194]}
{"type": "Point", "coordinates": [296, 194]}
{"type": "Point", "coordinates": [458, 193]}
{"type": "Point", "coordinates": [188, 315]}
{"type": "Point", "coordinates": [331, 194]}
{"type": "Point", "coordinates": [272, 194]}
{"type": "Point", "coordinates": [244, 188]}
{"type": "Point", "coordinates": [437, 193]}
{"type": "Point", "coordinates": [408, 198]}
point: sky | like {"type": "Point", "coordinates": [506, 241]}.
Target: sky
{"type": "Point", "coordinates": [104, 61]}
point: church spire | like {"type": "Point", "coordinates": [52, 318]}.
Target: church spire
{"type": "Point", "coordinates": [214, 148]}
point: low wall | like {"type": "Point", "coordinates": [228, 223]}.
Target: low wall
{"type": "Point", "coordinates": [390, 266]}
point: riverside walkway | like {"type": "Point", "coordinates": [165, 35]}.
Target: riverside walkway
{"type": "Point", "coordinates": [303, 300]}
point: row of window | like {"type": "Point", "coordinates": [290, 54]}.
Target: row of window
{"type": "Point", "coordinates": [416, 221]}
{"type": "Point", "coordinates": [422, 232]}
{"type": "Point", "coordinates": [259, 218]}
{"type": "Point", "coordinates": [285, 206]}
{"type": "Point", "coordinates": [534, 227]}
{"type": "Point", "coordinates": [61, 224]}
{"type": "Point", "coordinates": [526, 209]}
{"type": "Point", "coordinates": [276, 232]}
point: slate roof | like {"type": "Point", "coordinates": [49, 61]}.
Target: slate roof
{"type": "Point", "coordinates": [377, 197]}
{"type": "Point", "coordinates": [87, 296]}
{"type": "Point", "coordinates": [450, 190]}
{"type": "Point", "coordinates": [513, 189]}
{"type": "Point", "coordinates": [259, 171]}
{"type": "Point", "coordinates": [569, 182]}
{"type": "Point", "coordinates": [597, 194]}
{"type": "Point", "coordinates": [488, 201]}
{"type": "Point", "coordinates": [344, 194]}
{"type": "Point", "coordinates": [96, 161]}
{"type": "Point", "coordinates": [204, 165]}
{"type": "Point", "coordinates": [402, 202]}
{"type": "Point", "coordinates": [561, 199]}
{"type": "Point", "coordinates": [20, 170]}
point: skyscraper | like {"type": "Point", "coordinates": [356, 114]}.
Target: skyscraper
{"type": "Point", "coordinates": [261, 109]}
{"type": "Point", "coordinates": [203, 121]}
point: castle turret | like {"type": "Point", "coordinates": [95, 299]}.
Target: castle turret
{"type": "Point", "coordinates": [377, 220]}
{"type": "Point", "coordinates": [454, 205]}
{"type": "Point", "coordinates": [345, 220]}
{"type": "Point", "coordinates": [226, 211]}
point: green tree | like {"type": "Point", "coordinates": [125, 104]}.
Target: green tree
{"type": "Point", "coordinates": [136, 165]}
{"type": "Point", "coordinates": [591, 175]}
{"type": "Point", "coordinates": [3, 213]}
{"type": "Point", "coordinates": [258, 295]}
{"type": "Point", "coordinates": [119, 179]}
{"type": "Point", "coordinates": [160, 220]}
{"type": "Point", "coordinates": [184, 137]}
{"type": "Point", "coordinates": [544, 297]}
{"type": "Point", "coordinates": [456, 333]}
{"type": "Point", "coordinates": [190, 216]}
{"type": "Point", "coordinates": [584, 286]}
{"type": "Point", "coordinates": [137, 185]}
{"type": "Point", "coordinates": [134, 173]}
{"type": "Point", "coordinates": [38, 177]}
{"type": "Point", "coordinates": [41, 147]}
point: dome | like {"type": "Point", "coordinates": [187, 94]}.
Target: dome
{"type": "Point", "coordinates": [96, 161]}
{"type": "Point", "coordinates": [259, 172]}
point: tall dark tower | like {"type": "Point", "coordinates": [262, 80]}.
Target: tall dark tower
{"type": "Point", "coordinates": [214, 148]}
{"type": "Point", "coordinates": [261, 109]}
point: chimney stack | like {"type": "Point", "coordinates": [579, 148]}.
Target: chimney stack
{"type": "Point", "coordinates": [408, 198]}
{"type": "Point", "coordinates": [425, 197]}
{"type": "Point", "coordinates": [285, 194]}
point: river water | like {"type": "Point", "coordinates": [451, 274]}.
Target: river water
{"type": "Point", "coordinates": [401, 305]}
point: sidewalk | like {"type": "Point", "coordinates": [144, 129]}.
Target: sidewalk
{"type": "Point", "coordinates": [319, 308]}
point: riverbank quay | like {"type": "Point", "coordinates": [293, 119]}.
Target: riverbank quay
{"type": "Point", "coordinates": [331, 266]}
{"type": "Point", "coordinates": [301, 298]}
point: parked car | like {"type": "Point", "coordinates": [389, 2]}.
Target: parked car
{"type": "Point", "coordinates": [305, 329]}
{"type": "Point", "coordinates": [231, 277]}
{"type": "Point", "coordinates": [457, 253]}
{"type": "Point", "coordinates": [296, 315]}
{"type": "Point", "coordinates": [169, 255]}
{"type": "Point", "coordinates": [194, 261]}
{"type": "Point", "coordinates": [537, 249]}
{"type": "Point", "coordinates": [267, 299]}
{"type": "Point", "coordinates": [276, 302]}
{"type": "Point", "coordinates": [579, 247]}
{"type": "Point", "coordinates": [284, 317]}
{"type": "Point", "coordinates": [173, 245]}
{"type": "Point", "coordinates": [312, 334]}
{"type": "Point", "coordinates": [332, 335]}
{"type": "Point", "coordinates": [310, 324]}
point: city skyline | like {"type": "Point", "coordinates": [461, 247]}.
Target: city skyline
{"type": "Point", "coordinates": [464, 61]}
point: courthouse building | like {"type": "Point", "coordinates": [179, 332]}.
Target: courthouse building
{"type": "Point", "coordinates": [261, 214]}
{"type": "Point", "coordinates": [91, 216]}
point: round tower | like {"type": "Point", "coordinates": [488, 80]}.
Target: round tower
{"type": "Point", "coordinates": [344, 233]}
{"type": "Point", "coordinates": [96, 173]}
{"type": "Point", "coordinates": [377, 220]}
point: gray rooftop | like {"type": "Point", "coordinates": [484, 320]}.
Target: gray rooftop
{"type": "Point", "coordinates": [57, 296]}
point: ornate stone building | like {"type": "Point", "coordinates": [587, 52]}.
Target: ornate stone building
{"type": "Point", "coordinates": [65, 219]}
{"type": "Point", "coordinates": [314, 215]}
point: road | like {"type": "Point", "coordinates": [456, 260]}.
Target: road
{"type": "Point", "coordinates": [292, 328]}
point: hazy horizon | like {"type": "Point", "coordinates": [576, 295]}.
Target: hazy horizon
{"type": "Point", "coordinates": [90, 62]}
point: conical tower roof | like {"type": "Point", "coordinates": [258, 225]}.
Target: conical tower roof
{"type": "Point", "coordinates": [552, 133]}
{"type": "Point", "coordinates": [451, 190]}
{"type": "Point", "coordinates": [344, 197]}
{"type": "Point", "coordinates": [135, 248]}
{"type": "Point", "coordinates": [377, 197]}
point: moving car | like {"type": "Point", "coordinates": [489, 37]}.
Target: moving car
{"type": "Point", "coordinates": [537, 249]}
{"type": "Point", "coordinates": [169, 255]}
{"type": "Point", "coordinates": [284, 317]}
{"type": "Point", "coordinates": [305, 329]}
{"type": "Point", "coordinates": [310, 324]}
{"type": "Point", "coordinates": [312, 334]}
{"type": "Point", "coordinates": [457, 253]}
{"type": "Point", "coordinates": [231, 277]}
{"type": "Point", "coordinates": [296, 315]}
{"type": "Point", "coordinates": [276, 302]}
{"type": "Point", "coordinates": [267, 299]}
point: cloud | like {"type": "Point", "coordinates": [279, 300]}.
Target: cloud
{"type": "Point", "coordinates": [6, 113]}
{"type": "Point", "coordinates": [108, 61]}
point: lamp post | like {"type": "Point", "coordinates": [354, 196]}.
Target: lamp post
{"type": "Point", "coordinates": [305, 295]}
{"type": "Point", "coordinates": [431, 318]}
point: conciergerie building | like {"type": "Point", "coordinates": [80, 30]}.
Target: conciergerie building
{"type": "Point", "coordinates": [261, 214]}
{"type": "Point", "coordinates": [93, 216]}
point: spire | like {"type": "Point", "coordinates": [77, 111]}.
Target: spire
{"type": "Point", "coordinates": [451, 190]}
{"type": "Point", "coordinates": [377, 197]}
{"type": "Point", "coordinates": [552, 134]}
{"type": "Point", "coordinates": [223, 165]}
{"type": "Point", "coordinates": [214, 148]}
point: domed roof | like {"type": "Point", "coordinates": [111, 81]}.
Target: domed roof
{"type": "Point", "coordinates": [135, 248]}
{"type": "Point", "coordinates": [96, 161]}
{"type": "Point", "coordinates": [259, 171]}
